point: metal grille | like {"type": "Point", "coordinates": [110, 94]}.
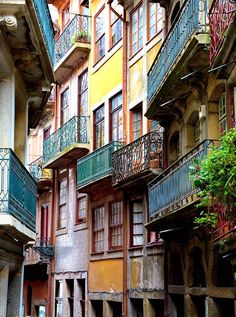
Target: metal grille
{"type": "Point", "coordinates": [37, 172]}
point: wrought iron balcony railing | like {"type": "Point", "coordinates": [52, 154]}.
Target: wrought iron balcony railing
{"type": "Point", "coordinates": [76, 31]}
{"type": "Point", "coordinates": [73, 131]}
{"type": "Point", "coordinates": [96, 165]}
{"type": "Point", "coordinates": [221, 15]}
{"type": "Point", "coordinates": [174, 186]}
{"type": "Point", "coordinates": [142, 155]}
{"type": "Point", "coordinates": [191, 19]}
{"type": "Point", "coordinates": [18, 189]}
{"type": "Point", "coordinates": [39, 173]}
{"type": "Point", "coordinates": [44, 248]}
{"type": "Point", "coordinates": [45, 21]}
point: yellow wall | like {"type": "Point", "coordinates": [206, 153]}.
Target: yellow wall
{"type": "Point", "coordinates": [106, 275]}
{"type": "Point", "coordinates": [136, 80]}
{"type": "Point", "coordinates": [152, 53]}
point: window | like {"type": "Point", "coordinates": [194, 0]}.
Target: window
{"type": "Point", "coordinates": [44, 225]}
{"type": "Point", "coordinates": [222, 114]}
{"type": "Point", "coordinates": [99, 127]}
{"type": "Point", "coordinates": [137, 223]}
{"type": "Point", "coordinates": [70, 296]}
{"type": "Point", "coordinates": [137, 30]}
{"type": "Point", "coordinates": [197, 132]}
{"type": "Point", "coordinates": [99, 35]}
{"type": "Point", "coordinates": [62, 203]}
{"type": "Point", "coordinates": [58, 298]}
{"type": "Point", "coordinates": [46, 132]}
{"type": "Point", "coordinates": [82, 208]}
{"type": "Point", "coordinates": [65, 16]}
{"type": "Point", "coordinates": [154, 19]}
{"type": "Point", "coordinates": [136, 122]}
{"type": "Point", "coordinates": [116, 225]}
{"type": "Point", "coordinates": [83, 94]}
{"type": "Point", "coordinates": [65, 106]}
{"type": "Point", "coordinates": [116, 118]}
{"type": "Point", "coordinates": [115, 24]}
{"type": "Point", "coordinates": [98, 229]}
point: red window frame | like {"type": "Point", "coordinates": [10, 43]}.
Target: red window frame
{"type": "Point", "coordinates": [136, 29]}
{"type": "Point", "coordinates": [65, 15]}
{"type": "Point", "coordinates": [64, 106]}
{"type": "Point", "coordinates": [136, 123]}
{"type": "Point", "coordinates": [99, 127]}
{"type": "Point", "coordinates": [99, 42]}
{"type": "Point", "coordinates": [116, 24]}
{"type": "Point", "coordinates": [115, 225]}
{"type": "Point", "coordinates": [115, 113]}
{"type": "Point", "coordinates": [98, 229]}
{"type": "Point", "coordinates": [83, 94]}
{"type": "Point", "coordinates": [46, 132]}
{"type": "Point", "coordinates": [82, 208]}
{"type": "Point", "coordinates": [62, 204]}
{"type": "Point", "coordinates": [44, 223]}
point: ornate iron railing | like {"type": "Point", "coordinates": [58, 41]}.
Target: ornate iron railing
{"type": "Point", "coordinates": [175, 185]}
{"type": "Point", "coordinates": [96, 165]}
{"type": "Point", "coordinates": [141, 155]}
{"type": "Point", "coordinates": [191, 19]}
{"type": "Point", "coordinates": [39, 173]}
{"type": "Point", "coordinates": [44, 248]}
{"type": "Point", "coordinates": [45, 21]}
{"type": "Point", "coordinates": [76, 31]}
{"type": "Point", "coordinates": [18, 189]}
{"type": "Point", "coordinates": [226, 221]}
{"type": "Point", "coordinates": [73, 131]}
{"type": "Point", "coordinates": [221, 15]}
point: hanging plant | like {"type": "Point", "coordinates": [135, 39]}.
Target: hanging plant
{"type": "Point", "coordinates": [215, 176]}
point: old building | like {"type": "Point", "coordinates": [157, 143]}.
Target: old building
{"type": "Point", "coordinates": [191, 94]}
{"type": "Point", "coordinates": [26, 74]}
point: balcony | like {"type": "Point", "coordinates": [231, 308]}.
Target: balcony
{"type": "Point", "coordinates": [41, 175]}
{"type": "Point", "coordinates": [69, 142]}
{"type": "Point", "coordinates": [184, 47]}
{"type": "Point", "coordinates": [173, 189]}
{"type": "Point", "coordinates": [72, 46]}
{"type": "Point", "coordinates": [96, 166]}
{"type": "Point", "coordinates": [17, 195]}
{"type": "Point", "coordinates": [138, 160]}
{"type": "Point", "coordinates": [222, 30]}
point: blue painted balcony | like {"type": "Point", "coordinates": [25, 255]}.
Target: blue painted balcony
{"type": "Point", "coordinates": [18, 192]}
{"type": "Point", "coordinates": [41, 175]}
{"type": "Point", "coordinates": [69, 142]}
{"type": "Point", "coordinates": [173, 189]}
{"type": "Point", "coordinates": [96, 166]}
{"type": "Point", "coordinates": [139, 160]}
{"type": "Point", "coordinates": [184, 45]}
{"type": "Point", "coordinates": [72, 46]}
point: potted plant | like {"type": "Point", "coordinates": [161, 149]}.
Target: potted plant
{"type": "Point", "coordinates": [80, 36]}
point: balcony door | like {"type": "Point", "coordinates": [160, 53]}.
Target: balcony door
{"type": "Point", "coordinates": [65, 106]}
{"type": "Point", "coordinates": [44, 224]}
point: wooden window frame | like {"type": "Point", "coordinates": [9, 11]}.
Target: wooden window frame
{"type": "Point", "coordinates": [132, 245]}
{"type": "Point", "coordinates": [62, 122]}
{"type": "Point", "coordinates": [112, 112]}
{"type": "Point", "coordinates": [45, 132]}
{"type": "Point", "coordinates": [96, 40]}
{"type": "Point", "coordinates": [95, 123]}
{"type": "Point", "coordinates": [44, 217]}
{"type": "Point", "coordinates": [137, 8]}
{"type": "Point", "coordinates": [101, 229]}
{"type": "Point", "coordinates": [140, 106]}
{"type": "Point", "coordinates": [80, 92]}
{"type": "Point", "coordinates": [157, 30]}
{"type": "Point", "coordinates": [114, 226]}
{"type": "Point", "coordinates": [63, 23]}
{"type": "Point", "coordinates": [111, 25]}
{"type": "Point", "coordinates": [78, 219]}
{"type": "Point", "coordinates": [61, 177]}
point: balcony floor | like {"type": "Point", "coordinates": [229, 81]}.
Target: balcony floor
{"type": "Point", "coordinates": [71, 153]}
{"type": "Point", "coordinates": [78, 52]}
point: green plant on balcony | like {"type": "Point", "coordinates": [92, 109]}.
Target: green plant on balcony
{"type": "Point", "coordinates": [81, 36]}
{"type": "Point", "coordinates": [215, 176]}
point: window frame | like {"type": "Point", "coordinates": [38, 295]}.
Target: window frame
{"type": "Point", "coordinates": [132, 245]}
{"type": "Point", "coordinates": [139, 47]}
{"type": "Point", "coordinates": [115, 226]}
{"type": "Point", "coordinates": [46, 132]}
{"type": "Point", "coordinates": [157, 30]}
{"type": "Point", "coordinates": [64, 22]}
{"type": "Point", "coordinates": [115, 112]}
{"type": "Point", "coordinates": [98, 230]}
{"type": "Point", "coordinates": [112, 23]}
{"type": "Point", "coordinates": [63, 176]}
{"type": "Point", "coordinates": [137, 109]}
{"type": "Point", "coordinates": [97, 39]}
{"type": "Point", "coordinates": [78, 219]}
{"type": "Point", "coordinates": [82, 92]}
{"type": "Point", "coordinates": [62, 108]}
{"type": "Point", "coordinates": [96, 123]}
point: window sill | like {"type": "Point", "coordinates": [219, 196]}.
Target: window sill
{"type": "Point", "coordinates": [98, 61]}
{"type": "Point", "coordinates": [80, 226]}
{"type": "Point", "coordinates": [61, 231]}
{"type": "Point", "coordinates": [153, 37]}
{"type": "Point", "coordinates": [113, 46]}
{"type": "Point", "coordinates": [154, 244]}
{"type": "Point", "coordinates": [136, 53]}
{"type": "Point", "coordinates": [97, 253]}
{"type": "Point", "coordinates": [115, 250]}
{"type": "Point", "coordinates": [136, 247]}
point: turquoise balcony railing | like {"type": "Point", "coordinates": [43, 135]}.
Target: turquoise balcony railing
{"type": "Point", "coordinates": [73, 131]}
{"type": "Point", "coordinates": [76, 31]}
{"type": "Point", "coordinates": [169, 190]}
{"type": "Point", "coordinates": [96, 165]}
{"type": "Point", "coordinates": [191, 19]}
{"type": "Point", "coordinates": [45, 22]}
{"type": "Point", "coordinates": [18, 189]}
{"type": "Point", "coordinates": [38, 172]}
